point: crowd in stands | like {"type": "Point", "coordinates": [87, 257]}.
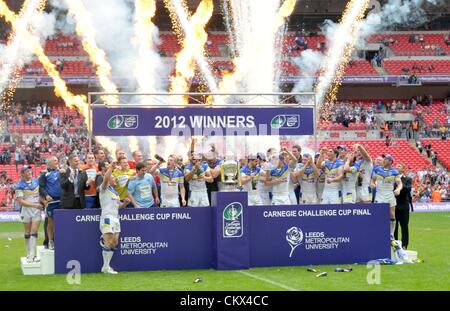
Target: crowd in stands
{"type": "Point", "coordinates": [432, 117]}
{"type": "Point", "coordinates": [431, 185]}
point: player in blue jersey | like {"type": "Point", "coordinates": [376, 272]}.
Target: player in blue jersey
{"type": "Point", "coordinates": [249, 178]}
{"type": "Point", "coordinates": [278, 178]}
{"type": "Point", "coordinates": [27, 194]}
{"type": "Point", "coordinates": [388, 183]}
{"type": "Point", "coordinates": [307, 174]}
{"type": "Point", "coordinates": [172, 183]}
{"type": "Point", "coordinates": [197, 173]}
{"type": "Point", "coordinates": [333, 169]}
{"type": "Point", "coordinates": [50, 192]}
{"type": "Point", "coordinates": [351, 170]}
{"type": "Point", "coordinates": [365, 165]}
{"type": "Point", "coordinates": [109, 219]}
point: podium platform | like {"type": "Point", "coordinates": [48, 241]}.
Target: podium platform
{"type": "Point", "coordinates": [45, 265]}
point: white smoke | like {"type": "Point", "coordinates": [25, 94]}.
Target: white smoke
{"type": "Point", "coordinates": [308, 63]}
{"type": "Point", "coordinates": [113, 26]}
{"type": "Point", "coordinates": [395, 12]}
{"type": "Point", "coordinates": [407, 13]}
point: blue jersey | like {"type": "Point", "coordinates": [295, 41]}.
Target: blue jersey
{"type": "Point", "coordinates": [29, 191]}
{"type": "Point", "coordinates": [385, 178]}
{"type": "Point", "coordinates": [170, 179]}
{"type": "Point", "coordinates": [283, 173]}
{"type": "Point", "coordinates": [308, 179]}
{"type": "Point", "coordinates": [196, 183]}
{"type": "Point", "coordinates": [142, 190]}
{"type": "Point", "coordinates": [332, 170]}
{"type": "Point", "coordinates": [254, 171]}
{"type": "Point", "coordinates": [49, 184]}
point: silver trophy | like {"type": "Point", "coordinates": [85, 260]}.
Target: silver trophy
{"type": "Point", "coordinates": [230, 168]}
{"type": "Point", "coordinates": [229, 177]}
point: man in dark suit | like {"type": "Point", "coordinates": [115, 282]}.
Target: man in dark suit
{"type": "Point", "coordinates": [73, 183]}
{"type": "Point", "coordinates": [404, 202]}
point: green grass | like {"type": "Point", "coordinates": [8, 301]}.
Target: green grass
{"type": "Point", "coordinates": [430, 236]}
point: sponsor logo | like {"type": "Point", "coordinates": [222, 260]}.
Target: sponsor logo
{"type": "Point", "coordinates": [123, 121]}
{"type": "Point", "coordinates": [285, 121]}
{"type": "Point", "coordinates": [294, 237]}
{"type": "Point", "coordinates": [233, 225]}
{"type": "Point", "coordinates": [313, 240]}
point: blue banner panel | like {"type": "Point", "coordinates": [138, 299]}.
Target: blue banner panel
{"type": "Point", "coordinates": [318, 234]}
{"type": "Point", "coordinates": [202, 121]}
{"type": "Point", "coordinates": [151, 239]}
{"type": "Point", "coordinates": [231, 242]}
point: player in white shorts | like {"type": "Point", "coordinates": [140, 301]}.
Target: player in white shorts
{"type": "Point", "coordinates": [333, 169]}
{"type": "Point", "coordinates": [365, 167]}
{"type": "Point", "coordinates": [320, 180]}
{"type": "Point", "coordinates": [350, 179]}
{"type": "Point", "coordinates": [197, 174]}
{"type": "Point", "coordinates": [27, 194]}
{"type": "Point", "coordinates": [249, 180]}
{"type": "Point", "coordinates": [279, 180]}
{"type": "Point", "coordinates": [307, 173]}
{"type": "Point", "coordinates": [109, 219]}
{"type": "Point", "coordinates": [172, 183]}
{"type": "Point", "coordinates": [292, 161]}
{"type": "Point", "coordinates": [384, 179]}
{"type": "Point", "coordinates": [264, 171]}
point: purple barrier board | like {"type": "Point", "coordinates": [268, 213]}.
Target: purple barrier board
{"type": "Point", "coordinates": [151, 239]}
{"type": "Point", "coordinates": [318, 234]}
{"type": "Point", "coordinates": [232, 232]}
{"type": "Point", "coordinates": [202, 121]}
{"type": "Point", "coordinates": [230, 235]}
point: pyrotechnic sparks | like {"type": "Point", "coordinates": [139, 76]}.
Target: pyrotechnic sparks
{"type": "Point", "coordinates": [192, 51]}
{"type": "Point", "coordinates": [15, 52]}
{"type": "Point", "coordinates": [145, 68]}
{"type": "Point", "coordinates": [339, 53]}
{"type": "Point", "coordinates": [284, 12]}
{"type": "Point", "coordinates": [72, 101]}
{"type": "Point", "coordinates": [255, 42]}
{"type": "Point", "coordinates": [85, 29]}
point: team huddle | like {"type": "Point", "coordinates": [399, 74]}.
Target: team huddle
{"type": "Point", "coordinates": [333, 176]}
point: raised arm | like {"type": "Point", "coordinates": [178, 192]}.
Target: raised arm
{"type": "Point", "coordinates": [365, 155]}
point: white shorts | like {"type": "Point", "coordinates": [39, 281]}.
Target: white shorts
{"type": "Point", "coordinates": [30, 214]}
{"type": "Point", "coordinates": [281, 199]}
{"type": "Point", "coordinates": [349, 196]}
{"type": "Point", "coordinates": [198, 199]}
{"type": "Point", "coordinates": [386, 197]}
{"type": "Point", "coordinates": [363, 194]}
{"type": "Point", "coordinates": [109, 224]}
{"type": "Point", "coordinates": [265, 198]}
{"type": "Point", "coordinates": [309, 198]}
{"type": "Point", "coordinates": [320, 191]}
{"type": "Point", "coordinates": [330, 197]}
{"type": "Point", "coordinates": [254, 199]}
{"type": "Point", "coordinates": [170, 202]}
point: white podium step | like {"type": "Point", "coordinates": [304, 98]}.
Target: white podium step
{"type": "Point", "coordinates": [45, 265]}
{"type": "Point", "coordinates": [32, 268]}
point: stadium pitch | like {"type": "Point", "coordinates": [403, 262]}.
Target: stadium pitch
{"type": "Point", "coordinates": [430, 236]}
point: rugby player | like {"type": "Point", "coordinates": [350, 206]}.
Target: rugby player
{"type": "Point", "coordinates": [385, 178]}
{"type": "Point", "coordinates": [307, 173]}
{"type": "Point", "coordinates": [27, 194]}
{"type": "Point", "coordinates": [172, 183]}
{"type": "Point", "coordinates": [249, 179]}
{"type": "Point", "coordinates": [50, 192]}
{"type": "Point", "coordinates": [197, 173]}
{"type": "Point", "coordinates": [109, 219]}
{"type": "Point", "coordinates": [333, 169]}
